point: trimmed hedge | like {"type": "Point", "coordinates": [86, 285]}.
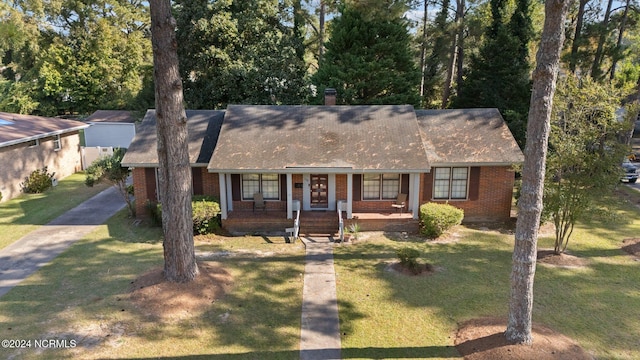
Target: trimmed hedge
{"type": "Point", "coordinates": [204, 215]}
{"type": "Point", "coordinates": [436, 219]}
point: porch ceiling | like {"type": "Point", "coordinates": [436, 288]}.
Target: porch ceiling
{"type": "Point", "coordinates": [342, 138]}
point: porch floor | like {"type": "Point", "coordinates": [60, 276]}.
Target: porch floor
{"type": "Point", "coordinates": [316, 222]}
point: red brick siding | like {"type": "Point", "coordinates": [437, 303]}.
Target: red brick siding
{"type": "Point", "coordinates": [495, 192]}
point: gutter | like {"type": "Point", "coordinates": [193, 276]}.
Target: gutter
{"type": "Point", "coordinates": [42, 136]}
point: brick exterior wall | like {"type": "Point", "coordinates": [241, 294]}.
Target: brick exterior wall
{"type": "Point", "coordinates": [495, 193]}
{"type": "Point", "coordinates": [143, 180]}
{"type": "Point", "coordinates": [493, 203]}
{"type": "Point", "coordinates": [18, 161]}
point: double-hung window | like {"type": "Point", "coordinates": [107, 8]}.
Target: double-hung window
{"type": "Point", "coordinates": [380, 186]}
{"type": "Point", "coordinates": [450, 183]}
{"type": "Point", "coordinates": [267, 184]}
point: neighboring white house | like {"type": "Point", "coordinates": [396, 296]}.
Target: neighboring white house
{"type": "Point", "coordinates": [110, 128]}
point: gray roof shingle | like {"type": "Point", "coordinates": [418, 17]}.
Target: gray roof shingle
{"type": "Point", "coordinates": [357, 138]}
{"type": "Point", "coordinates": [467, 136]}
{"type": "Point", "coordinates": [203, 129]}
{"type": "Point", "coordinates": [112, 116]}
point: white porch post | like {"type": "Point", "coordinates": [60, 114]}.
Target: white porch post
{"type": "Point", "coordinates": [414, 190]}
{"type": "Point", "coordinates": [223, 195]}
{"type": "Point", "coordinates": [349, 196]}
{"type": "Point", "coordinates": [289, 197]}
{"type": "Point", "coordinates": [229, 194]}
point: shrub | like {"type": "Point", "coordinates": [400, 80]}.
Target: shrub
{"type": "Point", "coordinates": [205, 215]}
{"type": "Point", "coordinates": [155, 211]}
{"type": "Point", "coordinates": [205, 211]}
{"type": "Point", "coordinates": [436, 219]}
{"type": "Point", "coordinates": [37, 182]}
{"type": "Point", "coordinates": [409, 259]}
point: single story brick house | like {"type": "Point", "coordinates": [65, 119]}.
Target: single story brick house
{"type": "Point", "coordinates": [28, 143]}
{"type": "Point", "coordinates": [355, 159]}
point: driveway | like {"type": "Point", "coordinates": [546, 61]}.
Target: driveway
{"type": "Point", "coordinates": [38, 248]}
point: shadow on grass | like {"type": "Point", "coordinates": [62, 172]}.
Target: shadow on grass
{"type": "Point", "coordinates": [420, 352]}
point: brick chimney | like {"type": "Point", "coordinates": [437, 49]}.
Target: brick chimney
{"type": "Point", "coordinates": [330, 96]}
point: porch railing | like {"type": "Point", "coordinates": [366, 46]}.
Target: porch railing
{"type": "Point", "coordinates": [341, 206]}
{"type": "Point", "coordinates": [295, 204]}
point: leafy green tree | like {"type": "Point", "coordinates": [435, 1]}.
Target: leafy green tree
{"type": "Point", "coordinates": [240, 52]}
{"type": "Point", "coordinates": [499, 80]}
{"type": "Point", "coordinates": [585, 153]}
{"type": "Point", "coordinates": [73, 56]}
{"type": "Point", "coordinates": [369, 61]}
{"type": "Point", "coordinates": [108, 168]}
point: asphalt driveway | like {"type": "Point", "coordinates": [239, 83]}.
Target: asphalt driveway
{"type": "Point", "coordinates": [38, 248]}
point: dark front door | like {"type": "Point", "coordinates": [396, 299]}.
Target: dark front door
{"type": "Point", "coordinates": [319, 191]}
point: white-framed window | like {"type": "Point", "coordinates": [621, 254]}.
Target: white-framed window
{"type": "Point", "coordinates": [57, 144]}
{"type": "Point", "coordinates": [33, 143]}
{"type": "Point", "coordinates": [450, 183]}
{"type": "Point", "coordinates": [267, 184]}
{"type": "Point", "coordinates": [380, 186]}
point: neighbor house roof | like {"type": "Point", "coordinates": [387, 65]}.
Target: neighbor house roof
{"type": "Point", "coordinates": [291, 138]}
{"type": "Point", "coordinates": [112, 116]}
{"type": "Point", "coordinates": [203, 127]}
{"type": "Point", "coordinates": [17, 128]}
{"type": "Point", "coordinates": [467, 136]}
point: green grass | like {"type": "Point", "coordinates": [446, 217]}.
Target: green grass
{"type": "Point", "coordinates": [21, 215]}
{"type": "Point", "coordinates": [84, 295]}
{"type": "Point", "coordinates": [384, 314]}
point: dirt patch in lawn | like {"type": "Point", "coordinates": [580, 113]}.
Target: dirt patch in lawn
{"type": "Point", "coordinates": [548, 257]}
{"type": "Point", "coordinates": [421, 270]}
{"type": "Point", "coordinates": [162, 300]}
{"type": "Point", "coordinates": [632, 247]}
{"type": "Point", "coordinates": [483, 339]}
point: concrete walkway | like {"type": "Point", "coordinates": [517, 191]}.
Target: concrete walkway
{"type": "Point", "coordinates": [38, 248]}
{"type": "Point", "coordinates": [320, 332]}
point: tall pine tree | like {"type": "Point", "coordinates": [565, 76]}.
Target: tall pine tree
{"type": "Point", "coordinates": [499, 76]}
{"type": "Point", "coordinates": [369, 61]}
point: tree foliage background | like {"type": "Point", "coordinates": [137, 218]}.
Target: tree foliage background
{"type": "Point", "coordinates": [74, 57]}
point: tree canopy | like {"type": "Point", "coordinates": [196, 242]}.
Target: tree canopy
{"type": "Point", "coordinates": [368, 61]}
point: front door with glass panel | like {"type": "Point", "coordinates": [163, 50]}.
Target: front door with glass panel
{"type": "Point", "coordinates": [319, 191]}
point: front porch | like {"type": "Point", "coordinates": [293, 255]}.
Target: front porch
{"type": "Point", "coordinates": [241, 222]}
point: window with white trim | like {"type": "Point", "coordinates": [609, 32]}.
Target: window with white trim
{"type": "Point", "coordinates": [57, 144]}
{"type": "Point", "coordinates": [33, 143]}
{"type": "Point", "coordinates": [267, 184]}
{"type": "Point", "coordinates": [450, 183]}
{"type": "Point", "coordinates": [380, 186]}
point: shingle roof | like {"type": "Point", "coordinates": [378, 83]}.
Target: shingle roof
{"type": "Point", "coordinates": [203, 129]}
{"type": "Point", "coordinates": [114, 116]}
{"type": "Point", "coordinates": [467, 136]}
{"type": "Point", "coordinates": [16, 128]}
{"type": "Point", "coordinates": [358, 138]}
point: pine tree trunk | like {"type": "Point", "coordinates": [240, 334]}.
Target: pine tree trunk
{"type": "Point", "coordinates": [530, 204]}
{"type": "Point", "coordinates": [573, 59]}
{"type": "Point", "coordinates": [174, 170]}
{"type": "Point", "coordinates": [596, 72]}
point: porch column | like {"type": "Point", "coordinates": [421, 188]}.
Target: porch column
{"type": "Point", "coordinates": [289, 196]}
{"type": "Point", "coordinates": [223, 195]}
{"type": "Point", "coordinates": [414, 190]}
{"type": "Point", "coordinates": [349, 196]}
{"type": "Point", "coordinates": [229, 193]}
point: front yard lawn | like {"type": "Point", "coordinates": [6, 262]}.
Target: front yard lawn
{"type": "Point", "coordinates": [27, 212]}
{"type": "Point", "coordinates": [85, 295]}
